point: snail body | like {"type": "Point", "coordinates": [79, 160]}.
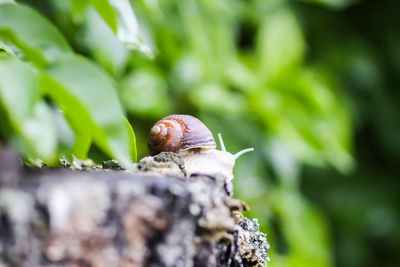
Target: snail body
{"type": "Point", "coordinates": [211, 161]}
{"type": "Point", "coordinates": [194, 142]}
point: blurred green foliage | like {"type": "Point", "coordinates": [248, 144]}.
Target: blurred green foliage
{"type": "Point", "coordinates": [47, 67]}
{"type": "Point", "coordinates": [310, 84]}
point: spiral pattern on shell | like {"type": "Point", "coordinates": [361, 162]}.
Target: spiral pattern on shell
{"type": "Point", "coordinates": [179, 132]}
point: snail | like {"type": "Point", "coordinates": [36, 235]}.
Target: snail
{"type": "Point", "coordinates": [194, 142]}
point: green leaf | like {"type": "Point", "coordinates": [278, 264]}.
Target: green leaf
{"type": "Point", "coordinates": [335, 4]}
{"type": "Point", "coordinates": [216, 98]}
{"type": "Point", "coordinates": [309, 116]}
{"type": "Point", "coordinates": [117, 15]}
{"type": "Point", "coordinates": [128, 30]}
{"type": "Point", "coordinates": [27, 112]}
{"type": "Point", "coordinates": [40, 41]}
{"type": "Point", "coordinates": [75, 113]}
{"type": "Point", "coordinates": [304, 228]}
{"type": "Point", "coordinates": [103, 7]}
{"type": "Point", "coordinates": [6, 1]}
{"type": "Point", "coordinates": [88, 98]}
{"type": "Point", "coordinates": [5, 49]}
{"type": "Point", "coordinates": [132, 139]}
{"type": "Point", "coordinates": [106, 11]}
{"type": "Point", "coordinates": [280, 44]}
{"type": "Point", "coordinates": [110, 52]}
{"type": "Point", "coordinates": [144, 92]}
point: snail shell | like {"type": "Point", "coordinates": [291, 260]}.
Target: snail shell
{"type": "Point", "coordinates": [179, 132]}
{"type": "Point", "coordinates": [193, 141]}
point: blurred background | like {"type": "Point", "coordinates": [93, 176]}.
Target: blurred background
{"type": "Point", "coordinates": [312, 85]}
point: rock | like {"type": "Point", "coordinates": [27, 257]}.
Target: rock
{"type": "Point", "coordinates": [125, 218]}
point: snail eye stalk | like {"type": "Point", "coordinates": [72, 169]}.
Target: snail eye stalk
{"type": "Point", "coordinates": [238, 154]}
{"type": "Point", "coordinates": [221, 142]}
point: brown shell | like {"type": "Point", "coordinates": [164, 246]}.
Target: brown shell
{"type": "Point", "coordinates": [178, 132]}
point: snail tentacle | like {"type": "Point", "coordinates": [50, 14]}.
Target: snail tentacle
{"type": "Point", "coordinates": [241, 152]}
{"type": "Point", "coordinates": [221, 142]}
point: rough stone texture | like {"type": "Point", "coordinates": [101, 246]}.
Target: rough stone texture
{"type": "Point", "coordinates": [116, 218]}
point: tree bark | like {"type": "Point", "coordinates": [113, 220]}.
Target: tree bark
{"type": "Point", "coordinates": [118, 218]}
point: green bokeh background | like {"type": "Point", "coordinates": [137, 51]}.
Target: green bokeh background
{"type": "Point", "coordinates": [312, 85]}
